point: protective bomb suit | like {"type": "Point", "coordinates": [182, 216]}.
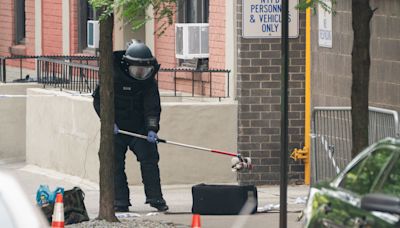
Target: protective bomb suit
{"type": "Point", "coordinates": [137, 109]}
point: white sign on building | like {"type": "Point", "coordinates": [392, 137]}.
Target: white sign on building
{"type": "Point", "coordinates": [263, 19]}
{"type": "Point", "coordinates": [325, 25]}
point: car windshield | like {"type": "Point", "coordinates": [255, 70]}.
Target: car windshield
{"type": "Point", "coordinates": [363, 176]}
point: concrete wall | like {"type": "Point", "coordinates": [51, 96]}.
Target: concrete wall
{"type": "Point", "coordinates": [331, 67]}
{"type": "Point", "coordinates": [12, 121]}
{"type": "Point", "coordinates": [63, 134]}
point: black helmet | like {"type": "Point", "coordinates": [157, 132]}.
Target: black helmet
{"type": "Point", "coordinates": [141, 63]}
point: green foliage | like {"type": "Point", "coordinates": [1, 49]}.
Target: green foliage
{"type": "Point", "coordinates": [313, 4]}
{"type": "Point", "coordinates": [106, 7]}
{"type": "Point", "coordinates": [134, 11]}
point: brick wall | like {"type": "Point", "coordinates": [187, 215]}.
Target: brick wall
{"type": "Point", "coordinates": [8, 45]}
{"type": "Point", "coordinates": [165, 53]}
{"type": "Point", "coordinates": [216, 42]}
{"type": "Point", "coordinates": [73, 18]}
{"type": "Point", "coordinates": [52, 27]}
{"type": "Point", "coordinates": [258, 91]}
{"type": "Point", "coordinates": [331, 67]}
{"type": "Point", "coordinates": [216, 36]}
{"type": "Point", "coordinates": [385, 52]}
{"type": "Point", "coordinates": [164, 50]}
{"type": "Point", "coordinates": [164, 46]}
{"type": "Point", "coordinates": [6, 26]}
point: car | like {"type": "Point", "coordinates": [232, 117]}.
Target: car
{"type": "Point", "coordinates": [16, 210]}
{"type": "Point", "coordinates": [365, 194]}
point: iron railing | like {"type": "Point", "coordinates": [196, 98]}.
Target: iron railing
{"type": "Point", "coordinates": [18, 68]}
{"type": "Point", "coordinates": [332, 138]}
{"type": "Point", "coordinates": [201, 81]}
{"type": "Point", "coordinates": [67, 74]}
{"type": "Point", "coordinates": [80, 73]}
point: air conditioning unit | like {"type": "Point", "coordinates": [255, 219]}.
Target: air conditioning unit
{"type": "Point", "coordinates": [191, 40]}
{"type": "Point", "coordinates": [93, 34]}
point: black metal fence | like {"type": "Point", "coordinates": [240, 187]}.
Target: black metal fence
{"type": "Point", "coordinates": [25, 68]}
{"type": "Point", "coordinates": [15, 67]}
{"type": "Point", "coordinates": [188, 82]}
{"type": "Point", "coordinates": [80, 73]}
{"type": "Point", "coordinates": [71, 74]}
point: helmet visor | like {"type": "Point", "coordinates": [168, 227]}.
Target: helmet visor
{"type": "Point", "coordinates": [140, 72]}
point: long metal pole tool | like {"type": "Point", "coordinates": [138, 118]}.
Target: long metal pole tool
{"type": "Point", "coordinates": [238, 162]}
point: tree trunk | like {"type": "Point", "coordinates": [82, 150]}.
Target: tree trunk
{"type": "Point", "coordinates": [360, 66]}
{"type": "Point", "coordinates": [106, 152]}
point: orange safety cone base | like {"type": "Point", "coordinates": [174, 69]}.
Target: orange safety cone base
{"type": "Point", "coordinates": [58, 214]}
{"type": "Point", "coordinates": [196, 221]}
{"type": "Point", "coordinates": [56, 224]}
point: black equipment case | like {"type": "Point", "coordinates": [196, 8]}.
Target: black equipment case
{"type": "Point", "coordinates": [224, 199]}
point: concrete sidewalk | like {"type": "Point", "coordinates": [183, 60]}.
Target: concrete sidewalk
{"type": "Point", "coordinates": [178, 197]}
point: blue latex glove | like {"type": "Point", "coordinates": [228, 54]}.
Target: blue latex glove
{"type": "Point", "coordinates": [152, 137]}
{"type": "Point", "coordinates": [116, 129]}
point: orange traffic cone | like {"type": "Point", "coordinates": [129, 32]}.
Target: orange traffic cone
{"type": "Point", "coordinates": [196, 221]}
{"type": "Point", "coordinates": [58, 213]}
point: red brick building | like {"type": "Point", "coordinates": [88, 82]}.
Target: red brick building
{"type": "Point", "coordinates": [44, 27]}
{"type": "Point", "coordinates": [48, 27]}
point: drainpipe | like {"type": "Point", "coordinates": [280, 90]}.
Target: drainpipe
{"type": "Point", "coordinates": [304, 153]}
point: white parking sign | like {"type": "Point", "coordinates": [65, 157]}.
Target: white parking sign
{"type": "Point", "coordinates": [263, 19]}
{"type": "Point", "coordinates": [325, 26]}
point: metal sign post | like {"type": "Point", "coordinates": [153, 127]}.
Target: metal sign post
{"type": "Point", "coordinates": [284, 115]}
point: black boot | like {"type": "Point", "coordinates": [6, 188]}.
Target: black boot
{"type": "Point", "coordinates": [121, 208]}
{"type": "Point", "coordinates": [159, 204]}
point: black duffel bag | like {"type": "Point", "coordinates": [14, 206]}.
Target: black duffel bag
{"type": "Point", "coordinates": [74, 207]}
{"type": "Point", "coordinates": [224, 199]}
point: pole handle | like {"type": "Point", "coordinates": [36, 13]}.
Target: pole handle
{"type": "Point", "coordinates": [179, 144]}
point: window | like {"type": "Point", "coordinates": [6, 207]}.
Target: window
{"type": "Point", "coordinates": [362, 176]}
{"type": "Point", "coordinates": [192, 45]}
{"type": "Point", "coordinates": [193, 11]}
{"type": "Point", "coordinates": [85, 13]}
{"type": "Point", "coordinates": [19, 21]}
{"type": "Point", "coordinates": [391, 185]}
